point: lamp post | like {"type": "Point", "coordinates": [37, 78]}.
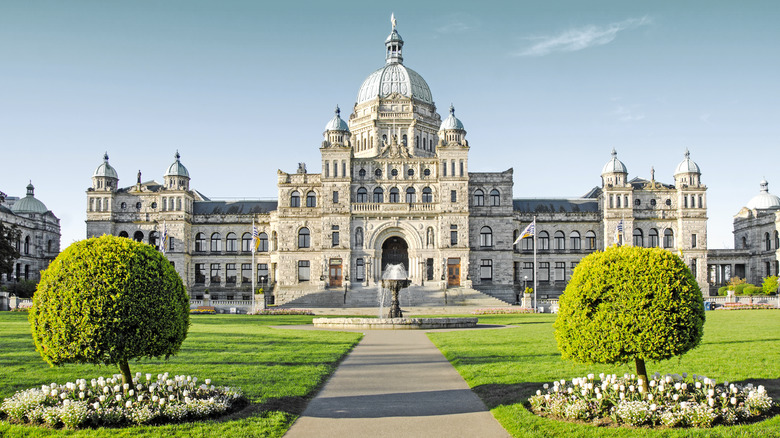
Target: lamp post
{"type": "Point", "coordinates": [422, 272]}
{"type": "Point", "coordinates": [368, 274]}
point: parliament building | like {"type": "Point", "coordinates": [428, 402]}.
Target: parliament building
{"type": "Point", "coordinates": [395, 187]}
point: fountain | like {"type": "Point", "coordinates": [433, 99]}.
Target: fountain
{"type": "Point", "coordinates": [394, 278]}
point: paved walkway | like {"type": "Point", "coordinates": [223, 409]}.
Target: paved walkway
{"type": "Point", "coordinates": [396, 383]}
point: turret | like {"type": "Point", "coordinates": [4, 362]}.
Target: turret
{"type": "Point", "coordinates": [105, 177]}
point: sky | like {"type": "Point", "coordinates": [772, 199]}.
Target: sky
{"type": "Point", "coordinates": [243, 88]}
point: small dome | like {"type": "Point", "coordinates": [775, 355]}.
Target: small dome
{"type": "Point", "coordinates": [105, 169]}
{"type": "Point", "coordinates": [614, 165]}
{"type": "Point", "coordinates": [29, 204]}
{"type": "Point", "coordinates": [764, 200]}
{"type": "Point", "coordinates": [451, 122]}
{"type": "Point", "coordinates": [687, 165]}
{"type": "Point", "coordinates": [177, 169]}
{"type": "Point", "coordinates": [336, 123]}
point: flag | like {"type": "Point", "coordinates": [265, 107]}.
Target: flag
{"type": "Point", "coordinates": [527, 232]}
{"type": "Point", "coordinates": [618, 231]}
{"type": "Point", "coordinates": [255, 238]}
{"type": "Point", "coordinates": [165, 238]}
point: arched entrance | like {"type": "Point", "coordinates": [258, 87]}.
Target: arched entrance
{"type": "Point", "coordinates": [395, 251]}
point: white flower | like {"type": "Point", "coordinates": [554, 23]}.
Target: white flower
{"type": "Point", "coordinates": [162, 401]}
{"type": "Point", "coordinates": [761, 389]}
{"type": "Point", "coordinates": [538, 392]}
{"type": "Point", "coordinates": [653, 407]}
{"type": "Point", "coordinates": [102, 398]}
{"type": "Point", "coordinates": [668, 379]}
{"type": "Point", "coordinates": [126, 386]}
{"type": "Point", "coordinates": [155, 398]}
{"type": "Point", "coordinates": [171, 397]}
{"type": "Point", "coordinates": [54, 393]}
{"type": "Point", "coordinates": [675, 397]}
{"type": "Point", "coordinates": [81, 395]}
{"type": "Point", "coordinates": [711, 392]}
{"type": "Point", "coordinates": [598, 396]}
{"type": "Point", "coordinates": [117, 388]}
{"type": "Point", "coordinates": [129, 404]}
{"type": "Point", "coordinates": [698, 385]}
{"type": "Point", "coordinates": [148, 377]}
{"type": "Point", "coordinates": [139, 386]}
{"type": "Point", "coordinates": [140, 398]}
{"type": "Point", "coordinates": [601, 376]}
{"type": "Point", "coordinates": [570, 390]}
{"type": "Point", "coordinates": [95, 405]}
{"type": "Point", "coordinates": [677, 386]}
{"type": "Point", "coordinates": [591, 376]}
{"type": "Point", "coordinates": [118, 397]}
{"type": "Point", "coordinates": [545, 386]}
{"type": "Point", "coordinates": [170, 389]}
{"type": "Point", "coordinates": [63, 396]}
{"type": "Point", "coordinates": [711, 402]}
{"type": "Point", "coordinates": [733, 400]}
{"type": "Point", "coordinates": [652, 383]}
{"type": "Point", "coordinates": [131, 393]}
{"type": "Point", "coordinates": [631, 388]}
{"type": "Point", "coordinates": [650, 397]}
{"type": "Point", "coordinates": [622, 395]}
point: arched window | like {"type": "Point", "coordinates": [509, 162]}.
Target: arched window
{"type": "Point", "coordinates": [262, 242]}
{"type": "Point", "coordinates": [486, 237]}
{"type": "Point", "coordinates": [653, 235]}
{"type": "Point", "coordinates": [246, 242]}
{"type": "Point", "coordinates": [49, 245]}
{"type": "Point", "coordinates": [495, 198]}
{"type": "Point", "coordinates": [379, 195]}
{"type": "Point", "coordinates": [427, 196]}
{"type": "Point", "coordinates": [138, 236]}
{"type": "Point", "coordinates": [777, 240]}
{"type": "Point", "coordinates": [544, 240]}
{"type": "Point", "coordinates": [27, 244]}
{"type": "Point", "coordinates": [230, 242]}
{"type": "Point", "coordinates": [639, 237]}
{"type": "Point", "coordinates": [479, 198]}
{"type": "Point", "coordinates": [295, 199]}
{"type": "Point", "coordinates": [668, 238]}
{"type": "Point", "coordinates": [362, 173]}
{"type": "Point", "coordinates": [590, 240]}
{"type": "Point", "coordinates": [362, 195]}
{"type": "Point", "coordinates": [767, 241]}
{"type": "Point", "coordinates": [744, 242]}
{"type": "Point", "coordinates": [200, 242]}
{"type": "Point", "coordinates": [410, 195]}
{"type": "Point", "coordinates": [304, 238]}
{"type": "Point", "coordinates": [378, 173]}
{"type": "Point", "coordinates": [216, 242]}
{"type": "Point", "coordinates": [574, 238]}
{"type": "Point", "coordinates": [311, 199]}
{"type": "Point", "coordinates": [153, 238]}
{"type": "Point", "coordinates": [123, 234]}
{"type": "Point", "coordinates": [394, 195]}
{"type": "Point", "coordinates": [560, 241]}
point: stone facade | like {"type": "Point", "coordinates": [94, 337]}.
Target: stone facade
{"type": "Point", "coordinates": [395, 187]}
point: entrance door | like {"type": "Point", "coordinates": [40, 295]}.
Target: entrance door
{"type": "Point", "coordinates": [395, 251]}
{"type": "Point", "coordinates": [335, 273]}
{"type": "Point", "coordinates": [453, 272]}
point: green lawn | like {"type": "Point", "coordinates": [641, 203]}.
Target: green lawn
{"type": "Point", "coordinates": [277, 369]}
{"type": "Point", "coordinates": [504, 367]}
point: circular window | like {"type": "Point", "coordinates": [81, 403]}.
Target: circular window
{"type": "Point", "coordinates": [394, 172]}
{"type": "Point", "coordinates": [637, 202]}
{"type": "Point", "coordinates": [669, 202]}
{"type": "Point", "coordinates": [154, 205]}
{"type": "Point", "coordinates": [410, 172]}
{"type": "Point", "coordinates": [362, 173]}
{"type": "Point", "coordinates": [427, 172]}
{"type": "Point", "coordinates": [378, 173]}
{"type": "Point", "coordinates": [138, 205]}
{"type": "Point", "coordinates": [652, 202]}
{"type": "Point", "coordinates": [123, 205]}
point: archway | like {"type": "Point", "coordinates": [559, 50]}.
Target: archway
{"type": "Point", "coordinates": [395, 250]}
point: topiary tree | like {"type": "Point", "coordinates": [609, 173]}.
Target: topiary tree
{"type": "Point", "coordinates": [629, 303]}
{"type": "Point", "coordinates": [107, 300]}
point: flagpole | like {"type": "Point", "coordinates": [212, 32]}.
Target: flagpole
{"type": "Point", "coordinates": [254, 267]}
{"type": "Point", "coordinates": [536, 270]}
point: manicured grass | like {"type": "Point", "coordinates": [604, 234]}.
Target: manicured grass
{"type": "Point", "coordinates": [279, 370]}
{"type": "Point", "coordinates": [505, 366]}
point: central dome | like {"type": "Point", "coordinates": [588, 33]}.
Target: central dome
{"type": "Point", "coordinates": [394, 77]}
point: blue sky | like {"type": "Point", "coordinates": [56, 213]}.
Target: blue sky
{"type": "Point", "coordinates": [243, 88]}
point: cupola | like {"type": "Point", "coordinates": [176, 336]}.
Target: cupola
{"type": "Point", "coordinates": [687, 172]}
{"type": "Point", "coordinates": [452, 130]}
{"type": "Point", "coordinates": [28, 204]}
{"type": "Point", "coordinates": [614, 173]}
{"type": "Point", "coordinates": [764, 200]}
{"type": "Point", "coordinates": [105, 176]}
{"type": "Point", "coordinates": [337, 131]}
{"type": "Point", "coordinates": [177, 177]}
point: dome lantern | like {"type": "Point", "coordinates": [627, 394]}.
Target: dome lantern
{"type": "Point", "coordinates": [764, 200]}
{"type": "Point", "coordinates": [29, 204]}
{"type": "Point", "coordinates": [177, 177]}
{"type": "Point", "coordinates": [337, 130]}
{"type": "Point", "coordinates": [105, 176]}
{"type": "Point", "coordinates": [687, 172]}
{"type": "Point", "coordinates": [614, 172]}
{"type": "Point", "coordinates": [452, 130]}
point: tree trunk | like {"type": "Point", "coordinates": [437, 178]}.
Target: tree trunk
{"type": "Point", "coordinates": [641, 373]}
{"type": "Point", "coordinates": [124, 368]}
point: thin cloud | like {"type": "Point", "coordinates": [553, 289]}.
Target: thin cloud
{"type": "Point", "coordinates": [581, 38]}
{"type": "Point", "coordinates": [456, 23]}
{"type": "Point", "coordinates": [625, 114]}
{"type": "Point", "coordinates": [453, 27]}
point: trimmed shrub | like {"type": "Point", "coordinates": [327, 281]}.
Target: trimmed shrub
{"type": "Point", "coordinates": [723, 291]}
{"type": "Point", "coordinates": [740, 288]}
{"type": "Point", "coordinates": [770, 284]}
{"type": "Point", "coordinates": [629, 303]}
{"type": "Point", "coordinates": [753, 290]}
{"type": "Point", "coordinates": [107, 300]}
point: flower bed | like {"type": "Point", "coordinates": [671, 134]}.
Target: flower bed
{"type": "Point", "coordinates": [105, 402]}
{"type": "Point", "coordinates": [275, 311]}
{"type": "Point", "coordinates": [746, 306]}
{"type": "Point", "coordinates": [199, 311]}
{"type": "Point", "coordinates": [671, 400]}
{"type": "Point", "coordinates": [502, 311]}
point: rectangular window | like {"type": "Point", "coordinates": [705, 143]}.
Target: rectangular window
{"type": "Point", "coordinates": [693, 241]}
{"type": "Point", "coordinates": [335, 169]}
{"type": "Point", "coordinates": [200, 273]}
{"type": "Point", "coordinates": [262, 274]}
{"type": "Point", "coordinates": [544, 272]}
{"type": "Point", "coordinates": [230, 273]}
{"type": "Point", "coordinates": [453, 196]}
{"type": "Point", "coordinates": [303, 270]}
{"type": "Point", "coordinates": [215, 277]}
{"type": "Point", "coordinates": [527, 244]}
{"type": "Point", "coordinates": [560, 271]}
{"type": "Point", "coordinates": [360, 270]}
{"type": "Point", "coordinates": [693, 267]}
{"type": "Point", "coordinates": [528, 271]}
{"type": "Point", "coordinates": [335, 239]}
{"type": "Point", "coordinates": [452, 167]}
{"type": "Point", "coordinates": [335, 197]}
{"type": "Point", "coordinates": [246, 273]}
{"type": "Point", "coordinates": [486, 270]}
{"type": "Point", "coordinates": [453, 234]}
{"type": "Point", "coordinates": [444, 167]}
{"type": "Point", "coordinates": [429, 269]}
{"type": "Point", "coordinates": [170, 243]}
{"type": "Point", "coordinates": [461, 168]}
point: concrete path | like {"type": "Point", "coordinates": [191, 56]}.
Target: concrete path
{"type": "Point", "coordinates": [396, 383]}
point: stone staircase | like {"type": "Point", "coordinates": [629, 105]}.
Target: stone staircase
{"type": "Point", "coordinates": [369, 297]}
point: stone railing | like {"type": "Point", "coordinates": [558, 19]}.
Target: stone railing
{"type": "Point", "coordinates": [376, 207]}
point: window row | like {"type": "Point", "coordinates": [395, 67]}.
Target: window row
{"type": "Point", "coordinates": [558, 241]}
{"type": "Point", "coordinates": [547, 272]}
{"type": "Point", "coordinates": [767, 241]}
{"type": "Point", "coordinates": [378, 195]}
{"type": "Point", "coordinates": [231, 242]}
{"type": "Point", "coordinates": [393, 172]}
{"type": "Point", "coordinates": [214, 271]}
{"type": "Point", "coordinates": [153, 239]}
{"type": "Point", "coordinates": [461, 165]}
{"type": "Point", "coordinates": [295, 199]}
{"type": "Point", "coordinates": [479, 198]}
{"type": "Point", "coordinates": [653, 238]}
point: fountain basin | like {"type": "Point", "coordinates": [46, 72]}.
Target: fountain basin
{"type": "Point", "coordinates": [395, 323]}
